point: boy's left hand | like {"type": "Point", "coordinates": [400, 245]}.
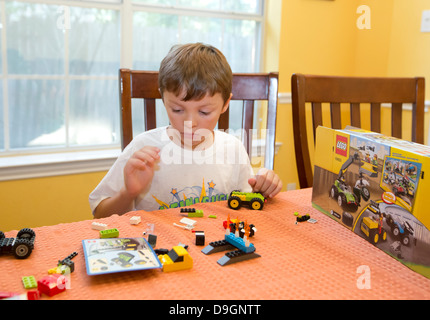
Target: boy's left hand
{"type": "Point", "coordinates": [266, 182]}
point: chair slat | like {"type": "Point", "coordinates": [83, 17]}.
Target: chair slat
{"type": "Point", "coordinates": [396, 120]}
{"type": "Point", "coordinates": [336, 122]}
{"type": "Point", "coordinates": [355, 115]}
{"type": "Point", "coordinates": [375, 117]}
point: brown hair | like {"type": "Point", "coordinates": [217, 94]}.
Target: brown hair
{"type": "Point", "coordinates": [197, 69]}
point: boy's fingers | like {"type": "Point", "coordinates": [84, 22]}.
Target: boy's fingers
{"type": "Point", "coordinates": [251, 182]}
{"type": "Point", "coordinates": [266, 182]}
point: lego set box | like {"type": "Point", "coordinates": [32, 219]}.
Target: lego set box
{"type": "Point", "coordinates": [376, 186]}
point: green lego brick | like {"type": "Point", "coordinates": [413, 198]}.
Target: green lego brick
{"type": "Point", "coordinates": [109, 233]}
{"type": "Point", "coordinates": [29, 282]}
{"type": "Point", "coordinates": [197, 213]}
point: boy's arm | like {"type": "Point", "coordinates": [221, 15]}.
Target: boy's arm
{"type": "Point", "coordinates": [138, 172]}
{"type": "Point", "coordinates": [119, 204]}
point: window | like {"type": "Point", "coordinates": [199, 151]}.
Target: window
{"type": "Point", "coordinates": [60, 61]}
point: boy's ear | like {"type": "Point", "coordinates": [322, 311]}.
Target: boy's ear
{"type": "Point", "coordinates": [227, 103]}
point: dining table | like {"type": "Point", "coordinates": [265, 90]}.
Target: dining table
{"type": "Point", "coordinates": [315, 259]}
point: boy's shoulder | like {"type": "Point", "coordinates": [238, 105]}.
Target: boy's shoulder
{"type": "Point", "coordinates": [157, 136]}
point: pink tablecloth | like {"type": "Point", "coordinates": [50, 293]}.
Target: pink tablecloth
{"type": "Point", "coordinates": [298, 261]}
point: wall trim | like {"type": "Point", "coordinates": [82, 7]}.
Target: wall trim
{"type": "Point", "coordinates": [285, 98]}
{"type": "Point", "coordinates": [56, 164]}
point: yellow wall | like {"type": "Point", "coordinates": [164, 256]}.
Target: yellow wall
{"type": "Point", "coordinates": [322, 37]}
{"type": "Point", "coordinates": [46, 201]}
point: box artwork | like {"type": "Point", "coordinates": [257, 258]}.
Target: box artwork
{"type": "Point", "coordinates": [376, 186]}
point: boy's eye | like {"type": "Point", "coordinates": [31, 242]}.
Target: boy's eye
{"type": "Point", "coordinates": [176, 110]}
{"type": "Point", "coordinates": [205, 113]}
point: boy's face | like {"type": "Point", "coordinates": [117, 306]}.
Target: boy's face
{"type": "Point", "coordinates": [194, 120]}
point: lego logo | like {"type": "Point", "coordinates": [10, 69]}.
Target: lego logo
{"type": "Point", "coordinates": [341, 145]}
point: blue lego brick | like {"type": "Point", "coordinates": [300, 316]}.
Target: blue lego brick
{"type": "Point", "coordinates": [239, 243]}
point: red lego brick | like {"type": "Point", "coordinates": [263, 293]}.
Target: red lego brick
{"type": "Point", "coordinates": [52, 284]}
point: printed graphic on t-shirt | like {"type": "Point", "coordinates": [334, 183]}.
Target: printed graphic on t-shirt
{"type": "Point", "coordinates": [191, 195]}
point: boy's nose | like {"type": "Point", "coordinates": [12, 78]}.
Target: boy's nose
{"type": "Point", "coordinates": [190, 122]}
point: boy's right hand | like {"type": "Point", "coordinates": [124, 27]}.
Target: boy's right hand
{"type": "Point", "coordinates": [139, 170]}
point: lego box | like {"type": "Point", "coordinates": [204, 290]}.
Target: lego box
{"type": "Point", "coordinates": [379, 188]}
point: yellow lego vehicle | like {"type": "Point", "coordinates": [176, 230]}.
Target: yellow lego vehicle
{"type": "Point", "coordinates": [373, 230]}
{"type": "Point", "coordinates": [177, 259]}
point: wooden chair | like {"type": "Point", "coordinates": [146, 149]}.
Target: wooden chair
{"type": "Point", "coordinates": [355, 91]}
{"type": "Point", "coordinates": [246, 87]}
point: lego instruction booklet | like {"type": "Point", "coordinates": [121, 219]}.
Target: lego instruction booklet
{"type": "Point", "coordinates": [118, 255]}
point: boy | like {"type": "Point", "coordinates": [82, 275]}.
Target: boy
{"type": "Point", "coordinates": [187, 161]}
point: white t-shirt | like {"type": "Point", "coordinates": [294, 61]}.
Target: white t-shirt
{"type": "Point", "coordinates": [182, 177]}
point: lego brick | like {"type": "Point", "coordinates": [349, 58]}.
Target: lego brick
{"type": "Point", "coordinates": [98, 226]}
{"type": "Point", "coordinates": [239, 243]}
{"type": "Point", "coordinates": [200, 238]}
{"type": "Point", "coordinates": [236, 256]}
{"type": "Point", "coordinates": [217, 246]}
{"type": "Point", "coordinates": [135, 220]}
{"type": "Point", "coordinates": [29, 282]}
{"type": "Point", "coordinates": [109, 233]}
{"type": "Point", "coordinates": [192, 212]}
{"type": "Point", "coordinates": [152, 240]}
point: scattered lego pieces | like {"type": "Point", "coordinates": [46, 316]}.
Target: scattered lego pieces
{"type": "Point", "coordinates": [52, 284]}
{"type": "Point", "coordinates": [33, 295]}
{"type": "Point", "coordinates": [200, 238]}
{"type": "Point", "coordinates": [29, 282]}
{"type": "Point", "coordinates": [98, 226]}
{"type": "Point", "coordinates": [212, 216]}
{"type": "Point", "coordinates": [301, 218]}
{"type": "Point", "coordinates": [149, 229]}
{"type": "Point", "coordinates": [177, 259]}
{"type": "Point", "coordinates": [192, 212]}
{"type": "Point", "coordinates": [109, 233]}
{"type": "Point", "coordinates": [135, 220]}
{"type": "Point", "coordinates": [21, 246]}
{"type": "Point", "coordinates": [188, 227]}
{"type": "Point", "coordinates": [186, 224]}
{"type": "Point", "coordinates": [244, 249]}
{"type": "Point", "coordinates": [152, 240]}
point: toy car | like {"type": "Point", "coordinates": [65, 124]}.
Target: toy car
{"type": "Point", "coordinates": [253, 199]}
{"type": "Point", "coordinates": [21, 246]}
{"type": "Point", "coordinates": [400, 229]}
{"type": "Point", "coordinates": [373, 229]}
{"type": "Point", "coordinates": [344, 195]}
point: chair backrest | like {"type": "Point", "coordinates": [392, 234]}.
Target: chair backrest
{"type": "Point", "coordinates": [248, 87]}
{"type": "Point", "coordinates": [355, 91]}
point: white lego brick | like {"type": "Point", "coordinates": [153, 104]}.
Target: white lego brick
{"type": "Point", "coordinates": [98, 226]}
{"type": "Point", "coordinates": [135, 220]}
{"type": "Point", "coordinates": [188, 222]}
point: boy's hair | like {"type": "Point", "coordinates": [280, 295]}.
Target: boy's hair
{"type": "Point", "coordinates": [196, 69]}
